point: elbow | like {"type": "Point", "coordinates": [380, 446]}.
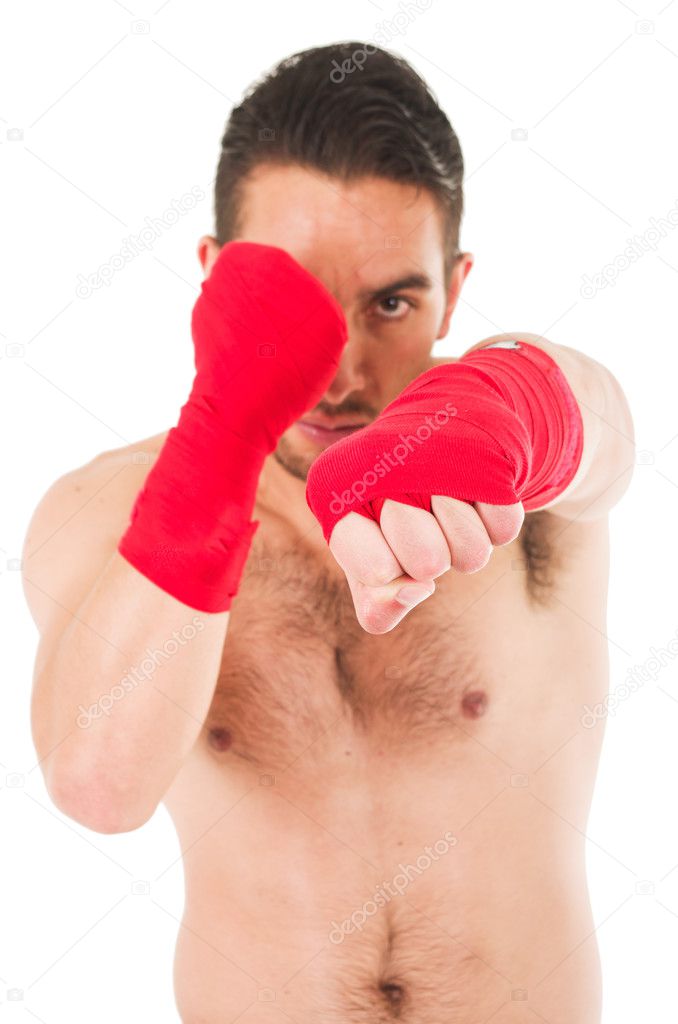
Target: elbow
{"type": "Point", "coordinates": [90, 785]}
{"type": "Point", "coordinates": [100, 804]}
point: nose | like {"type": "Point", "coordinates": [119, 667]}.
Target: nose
{"type": "Point", "coordinates": [350, 376]}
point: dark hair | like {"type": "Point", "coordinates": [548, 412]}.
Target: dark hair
{"type": "Point", "coordinates": [348, 109]}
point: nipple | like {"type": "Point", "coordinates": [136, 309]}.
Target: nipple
{"type": "Point", "coordinates": [220, 739]}
{"type": "Point", "coordinates": [474, 704]}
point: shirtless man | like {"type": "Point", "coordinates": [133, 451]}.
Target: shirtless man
{"type": "Point", "coordinates": [382, 807]}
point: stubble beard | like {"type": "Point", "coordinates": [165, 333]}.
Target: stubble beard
{"type": "Point", "coordinates": [294, 464]}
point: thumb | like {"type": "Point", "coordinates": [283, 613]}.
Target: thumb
{"type": "Point", "coordinates": [380, 609]}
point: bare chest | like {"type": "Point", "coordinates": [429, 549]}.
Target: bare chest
{"type": "Point", "coordinates": [298, 673]}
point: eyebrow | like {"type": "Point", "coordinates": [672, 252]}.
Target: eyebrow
{"type": "Point", "coordinates": [421, 281]}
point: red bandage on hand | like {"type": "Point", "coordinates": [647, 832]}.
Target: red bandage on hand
{"type": "Point", "coordinates": [268, 338]}
{"type": "Point", "coordinates": [500, 425]}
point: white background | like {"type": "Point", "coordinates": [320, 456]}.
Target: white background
{"type": "Point", "coordinates": [116, 124]}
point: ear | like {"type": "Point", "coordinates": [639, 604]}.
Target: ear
{"type": "Point", "coordinates": [459, 273]}
{"type": "Point", "coordinates": [208, 249]}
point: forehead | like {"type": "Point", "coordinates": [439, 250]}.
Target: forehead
{"type": "Point", "coordinates": [363, 228]}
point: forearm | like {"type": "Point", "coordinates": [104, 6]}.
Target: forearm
{"type": "Point", "coordinates": [120, 701]}
{"type": "Point", "coordinates": [608, 454]}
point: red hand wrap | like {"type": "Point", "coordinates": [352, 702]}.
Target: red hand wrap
{"type": "Point", "coordinates": [268, 338]}
{"type": "Point", "coordinates": [500, 425]}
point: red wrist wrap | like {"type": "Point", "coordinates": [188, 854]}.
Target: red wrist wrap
{"type": "Point", "coordinates": [268, 338]}
{"type": "Point", "coordinates": [500, 425]}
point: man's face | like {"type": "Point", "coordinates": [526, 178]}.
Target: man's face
{"type": "Point", "coordinates": [378, 248]}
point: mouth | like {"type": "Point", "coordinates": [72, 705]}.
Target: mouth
{"type": "Point", "coordinates": [325, 433]}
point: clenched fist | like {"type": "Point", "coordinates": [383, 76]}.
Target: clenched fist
{"type": "Point", "coordinates": [391, 566]}
{"type": "Point", "coordinates": [445, 473]}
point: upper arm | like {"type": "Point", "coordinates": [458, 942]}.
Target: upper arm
{"type": "Point", "coordinates": [71, 536]}
{"type": "Point", "coordinates": [608, 459]}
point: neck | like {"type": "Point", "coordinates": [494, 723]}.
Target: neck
{"type": "Point", "coordinates": [282, 495]}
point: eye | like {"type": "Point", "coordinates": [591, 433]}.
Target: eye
{"type": "Point", "coordinates": [394, 307]}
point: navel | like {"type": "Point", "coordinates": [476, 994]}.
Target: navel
{"type": "Point", "coordinates": [394, 997]}
{"type": "Point", "coordinates": [474, 704]}
{"type": "Point", "coordinates": [219, 739]}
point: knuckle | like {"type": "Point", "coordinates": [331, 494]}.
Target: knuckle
{"type": "Point", "coordinates": [470, 560]}
{"type": "Point", "coordinates": [429, 564]}
{"type": "Point", "coordinates": [504, 535]}
{"type": "Point", "coordinates": [504, 523]}
{"type": "Point", "coordinates": [424, 569]}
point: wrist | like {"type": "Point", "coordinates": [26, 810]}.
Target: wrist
{"type": "Point", "coordinates": [534, 386]}
{"type": "Point", "coordinates": [190, 528]}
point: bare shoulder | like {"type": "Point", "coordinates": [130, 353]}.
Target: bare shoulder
{"type": "Point", "coordinates": [77, 524]}
{"type": "Point", "coordinates": [100, 491]}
